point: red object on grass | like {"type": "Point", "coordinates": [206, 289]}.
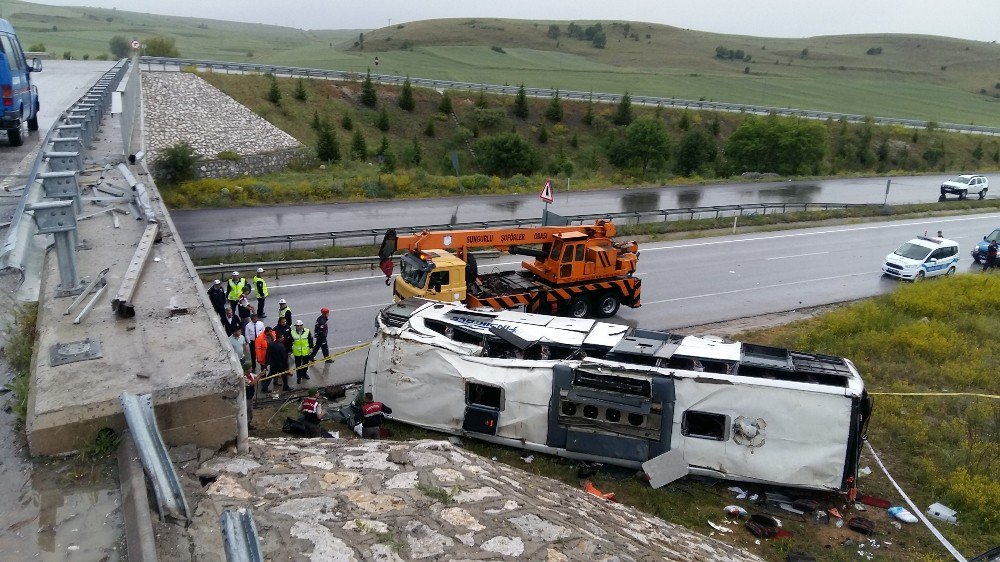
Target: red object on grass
{"type": "Point", "coordinates": [875, 502]}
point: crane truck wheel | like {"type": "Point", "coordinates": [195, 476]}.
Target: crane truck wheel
{"type": "Point", "coordinates": [579, 307]}
{"type": "Point", "coordinates": [607, 305]}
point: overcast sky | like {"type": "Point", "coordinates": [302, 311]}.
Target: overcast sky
{"type": "Point", "coordinates": [966, 19]}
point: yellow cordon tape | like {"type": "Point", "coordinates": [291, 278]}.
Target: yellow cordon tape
{"type": "Point", "coordinates": [311, 363]}
{"type": "Point", "coordinates": [975, 394]}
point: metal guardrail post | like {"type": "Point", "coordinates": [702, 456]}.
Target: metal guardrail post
{"type": "Point", "coordinates": [239, 533]}
{"type": "Point", "coordinates": [59, 219]}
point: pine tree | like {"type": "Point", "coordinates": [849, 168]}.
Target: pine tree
{"type": "Point", "coordinates": [327, 147]}
{"type": "Point", "coordinates": [445, 105]}
{"type": "Point", "coordinates": [359, 149]}
{"type": "Point", "coordinates": [554, 112]}
{"type": "Point", "coordinates": [416, 155]}
{"type": "Point", "coordinates": [346, 122]}
{"type": "Point", "coordinates": [274, 94]}
{"type": "Point", "coordinates": [685, 121]}
{"type": "Point", "coordinates": [369, 98]}
{"type": "Point", "coordinates": [382, 123]}
{"type": "Point", "coordinates": [481, 101]}
{"type": "Point", "coordinates": [521, 104]}
{"type": "Point", "coordinates": [300, 91]}
{"type": "Point", "coordinates": [543, 135]}
{"type": "Point", "coordinates": [588, 117]}
{"type": "Point", "coordinates": [624, 114]}
{"type": "Point", "coordinates": [406, 102]}
{"type": "Point", "coordinates": [429, 129]}
{"type": "Point", "coordinates": [316, 123]}
{"type": "Point", "coordinates": [386, 155]}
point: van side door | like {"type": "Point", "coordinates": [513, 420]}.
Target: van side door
{"type": "Point", "coordinates": [19, 85]}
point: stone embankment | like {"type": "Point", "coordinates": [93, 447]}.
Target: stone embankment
{"type": "Point", "coordinates": [337, 499]}
{"type": "Point", "coordinates": [180, 106]}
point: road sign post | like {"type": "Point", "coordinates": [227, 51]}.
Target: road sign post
{"type": "Point", "coordinates": [546, 195]}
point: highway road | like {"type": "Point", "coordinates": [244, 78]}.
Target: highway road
{"type": "Point", "coordinates": [214, 224]}
{"type": "Point", "coordinates": [685, 283]}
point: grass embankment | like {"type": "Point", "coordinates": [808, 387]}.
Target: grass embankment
{"type": "Point", "coordinates": [570, 146]}
{"type": "Point", "coordinates": [20, 344]}
{"type": "Point", "coordinates": [937, 336]}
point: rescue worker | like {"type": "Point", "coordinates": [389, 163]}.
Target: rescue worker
{"type": "Point", "coordinates": [371, 425]}
{"type": "Point", "coordinates": [235, 287]}
{"type": "Point", "coordinates": [260, 287]}
{"type": "Point", "coordinates": [217, 296]}
{"type": "Point", "coordinates": [320, 331]}
{"type": "Point", "coordinates": [285, 312]}
{"type": "Point", "coordinates": [991, 256]}
{"type": "Point", "coordinates": [302, 343]}
{"type": "Point", "coordinates": [260, 349]}
{"type": "Point", "coordinates": [253, 329]}
{"type": "Point", "coordinates": [312, 413]}
{"type": "Point", "coordinates": [277, 362]}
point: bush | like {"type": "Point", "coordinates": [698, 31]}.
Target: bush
{"type": "Point", "coordinates": [488, 118]}
{"type": "Point", "coordinates": [161, 47]}
{"type": "Point", "coordinates": [300, 91]}
{"type": "Point", "coordinates": [406, 102]}
{"type": "Point", "coordinates": [119, 46]}
{"type": "Point", "coordinates": [273, 93]}
{"type": "Point", "coordinates": [176, 164]}
{"type": "Point", "coordinates": [37, 48]}
{"type": "Point", "coordinates": [229, 155]}
{"type": "Point", "coordinates": [498, 50]}
{"type": "Point", "coordinates": [507, 154]}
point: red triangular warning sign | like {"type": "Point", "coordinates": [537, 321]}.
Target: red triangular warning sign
{"type": "Point", "coordinates": [546, 194]}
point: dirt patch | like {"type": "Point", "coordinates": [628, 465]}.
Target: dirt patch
{"type": "Point", "coordinates": [731, 328]}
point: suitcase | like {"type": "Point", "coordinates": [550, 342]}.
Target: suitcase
{"type": "Point", "coordinates": [861, 525]}
{"type": "Point", "coordinates": [806, 506]}
{"type": "Point", "coordinates": [760, 531]}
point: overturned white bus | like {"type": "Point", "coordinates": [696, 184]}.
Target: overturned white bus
{"type": "Point", "coordinates": [602, 392]}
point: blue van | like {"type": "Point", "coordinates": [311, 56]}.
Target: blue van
{"type": "Point", "coordinates": [18, 97]}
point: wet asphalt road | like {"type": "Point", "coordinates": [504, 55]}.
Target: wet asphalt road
{"type": "Point", "coordinates": [214, 224]}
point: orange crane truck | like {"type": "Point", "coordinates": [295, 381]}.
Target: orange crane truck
{"type": "Point", "coordinates": [578, 270]}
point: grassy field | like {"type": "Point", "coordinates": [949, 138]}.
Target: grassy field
{"type": "Point", "coordinates": [936, 336]}
{"type": "Point", "coordinates": [914, 76]}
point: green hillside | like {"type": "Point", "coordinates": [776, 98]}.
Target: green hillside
{"type": "Point", "coordinates": [915, 76]}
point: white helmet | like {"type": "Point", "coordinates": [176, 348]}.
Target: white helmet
{"type": "Point", "coordinates": [260, 270]}
{"type": "Point", "coordinates": [236, 273]}
{"type": "Point", "coordinates": [282, 301]}
{"type": "Point", "coordinates": [298, 322]}
{"type": "Point", "coordinates": [217, 282]}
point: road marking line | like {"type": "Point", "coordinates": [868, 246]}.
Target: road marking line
{"type": "Point", "coordinates": [817, 233]}
{"type": "Point", "coordinates": [798, 255]}
{"type": "Point", "coordinates": [748, 289]}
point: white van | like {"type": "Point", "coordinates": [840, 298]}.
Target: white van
{"type": "Point", "coordinates": [922, 257]}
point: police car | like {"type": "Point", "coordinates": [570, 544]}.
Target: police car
{"type": "Point", "coordinates": [922, 257]}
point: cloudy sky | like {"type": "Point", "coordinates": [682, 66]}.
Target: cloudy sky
{"type": "Point", "coordinates": [967, 19]}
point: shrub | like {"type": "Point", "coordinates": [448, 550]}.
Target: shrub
{"type": "Point", "coordinates": [369, 98]}
{"type": "Point", "coordinates": [67, 55]}
{"type": "Point", "coordinates": [359, 148]}
{"type": "Point", "coordinates": [119, 46]}
{"type": "Point", "coordinates": [445, 105]}
{"type": "Point", "coordinates": [37, 48]}
{"type": "Point", "coordinates": [507, 154]}
{"type": "Point", "coordinates": [429, 129]}
{"type": "Point", "coordinates": [300, 90]}
{"type": "Point", "coordinates": [346, 122]}
{"type": "Point", "coordinates": [176, 164]}
{"type": "Point", "coordinates": [488, 118]}
{"type": "Point", "coordinates": [382, 122]}
{"type": "Point", "coordinates": [498, 50]}
{"type": "Point", "coordinates": [161, 47]}
{"type": "Point", "coordinates": [229, 155]}
{"type": "Point", "coordinates": [406, 102]}
{"type": "Point", "coordinates": [273, 93]}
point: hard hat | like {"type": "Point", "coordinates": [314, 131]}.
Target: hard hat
{"type": "Point", "coordinates": [260, 270]}
{"type": "Point", "coordinates": [281, 301]}
{"type": "Point", "coordinates": [324, 310]}
{"type": "Point", "coordinates": [298, 322]}
{"type": "Point", "coordinates": [236, 273]}
{"type": "Point", "coordinates": [217, 282]}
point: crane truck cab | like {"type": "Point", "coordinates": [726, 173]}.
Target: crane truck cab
{"type": "Point", "coordinates": [433, 274]}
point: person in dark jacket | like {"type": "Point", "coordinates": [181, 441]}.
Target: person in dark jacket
{"type": "Point", "coordinates": [371, 424]}
{"type": "Point", "coordinates": [320, 332]}
{"type": "Point", "coordinates": [283, 333]}
{"type": "Point", "coordinates": [231, 322]}
{"type": "Point", "coordinates": [277, 362]}
{"type": "Point", "coordinates": [991, 256]}
{"type": "Point", "coordinates": [217, 296]}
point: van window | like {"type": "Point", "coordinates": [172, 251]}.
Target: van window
{"type": "Point", "coordinates": [704, 425]}
{"type": "Point", "coordinates": [12, 58]}
{"type": "Point", "coordinates": [477, 394]}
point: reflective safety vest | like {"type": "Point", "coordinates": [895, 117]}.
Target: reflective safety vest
{"type": "Point", "coordinates": [236, 289]}
{"type": "Point", "coordinates": [300, 343]}
{"type": "Point", "coordinates": [260, 286]}
{"type": "Point", "coordinates": [310, 405]}
{"type": "Point", "coordinates": [287, 313]}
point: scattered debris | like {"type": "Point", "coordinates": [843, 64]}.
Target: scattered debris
{"type": "Point", "coordinates": [897, 524]}
{"type": "Point", "coordinates": [859, 507]}
{"type": "Point", "coordinates": [740, 494]}
{"type": "Point", "coordinates": [720, 528]}
{"type": "Point", "coordinates": [864, 471]}
{"type": "Point", "coordinates": [528, 459]}
{"type": "Point", "coordinates": [875, 501]}
{"type": "Point", "coordinates": [943, 512]}
{"type": "Point", "coordinates": [735, 510]}
{"type": "Point", "coordinates": [902, 514]}
{"type": "Point", "coordinates": [588, 487]}
{"type": "Point", "coordinates": [861, 525]}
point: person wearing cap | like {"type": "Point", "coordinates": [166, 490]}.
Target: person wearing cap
{"type": "Point", "coordinates": [312, 413]}
{"type": "Point", "coordinates": [260, 287]}
{"type": "Point", "coordinates": [252, 330]}
{"type": "Point", "coordinates": [285, 312]}
{"type": "Point", "coordinates": [302, 343]}
{"type": "Point", "coordinates": [235, 287]}
{"type": "Point", "coordinates": [217, 296]}
{"type": "Point", "coordinates": [320, 332]}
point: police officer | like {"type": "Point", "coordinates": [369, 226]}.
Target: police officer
{"type": "Point", "coordinates": [285, 312]}
{"type": "Point", "coordinates": [320, 331]}
{"type": "Point", "coordinates": [312, 413]}
{"type": "Point", "coordinates": [991, 256]}
{"type": "Point", "coordinates": [302, 343]}
{"type": "Point", "coordinates": [260, 287]}
{"type": "Point", "coordinates": [235, 287]}
{"type": "Point", "coordinates": [372, 411]}
{"type": "Point", "coordinates": [217, 296]}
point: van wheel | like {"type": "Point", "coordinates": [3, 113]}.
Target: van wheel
{"type": "Point", "coordinates": [950, 272]}
{"type": "Point", "coordinates": [579, 307]}
{"type": "Point", "coordinates": [919, 277]}
{"type": "Point", "coordinates": [14, 135]}
{"type": "Point", "coordinates": [607, 305]}
{"type": "Point", "coordinates": [982, 194]}
{"type": "Point", "coordinates": [33, 122]}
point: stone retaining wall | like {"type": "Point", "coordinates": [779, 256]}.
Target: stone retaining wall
{"type": "Point", "coordinates": [251, 165]}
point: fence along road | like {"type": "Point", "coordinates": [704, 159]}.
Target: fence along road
{"type": "Point", "coordinates": [342, 75]}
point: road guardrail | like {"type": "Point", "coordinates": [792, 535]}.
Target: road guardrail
{"type": "Point", "coordinates": [343, 75]}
